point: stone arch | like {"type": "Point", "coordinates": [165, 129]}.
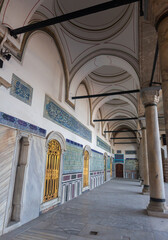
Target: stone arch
{"type": "Point", "coordinates": [115, 114]}
{"type": "Point", "coordinates": [19, 53]}
{"type": "Point", "coordinates": [106, 99]}
{"type": "Point", "coordinates": [95, 63]}
{"type": "Point", "coordinates": [57, 136]}
{"type": "Point", "coordinates": [87, 148]}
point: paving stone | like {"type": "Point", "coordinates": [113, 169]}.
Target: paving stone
{"type": "Point", "coordinates": [114, 211]}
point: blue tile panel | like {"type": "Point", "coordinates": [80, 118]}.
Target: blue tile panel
{"type": "Point", "coordinates": [119, 158]}
{"type": "Point", "coordinates": [130, 152]}
{"type": "Point", "coordinates": [73, 157]}
{"type": "Point", "coordinates": [17, 123]}
{"type": "Point", "coordinates": [21, 90]}
{"type": "Point", "coordinates": [131, 159]}
{"type": "Point", "coordinates": [56, 114]}
{"type": "Point", "coordinates": [96, 161]}
{"type": "Point", "coordinates": [131, 165]}
{"type": "Point", "coordinates": [103, 145]}
{"type": "Point", "coordinates": [108, 163]}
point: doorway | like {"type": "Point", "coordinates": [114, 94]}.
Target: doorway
{"type": "Point", "coordinates": [119, 170]}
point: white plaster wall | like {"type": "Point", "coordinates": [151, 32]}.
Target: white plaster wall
{"type": "Point", "coordinates": [82, 107]}
{"type": "Point", "coordinates": [41, 68]}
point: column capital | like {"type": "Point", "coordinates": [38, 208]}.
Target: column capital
{"type": "Point", "coordinates": [150, 96]}
{"type": "Point", "coordinates": [142, 124]}
{"type": "Point", "coordinates": [157, 10]}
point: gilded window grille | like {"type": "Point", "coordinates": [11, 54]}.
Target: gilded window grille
{"type": "Point", "coordinates": [86, 169]}
{"type": "Point", "coordinates": [52, 171]}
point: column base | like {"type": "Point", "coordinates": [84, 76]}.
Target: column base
{"type": "Point", "coordinates": [142, 181]}
{"type": "Point", "coordinates": [145, 190]}
{"type": "Point", "coordinates": [157, 208]}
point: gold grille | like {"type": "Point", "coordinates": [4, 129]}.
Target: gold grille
{"type": "Point", "coordinates": [86, 169]}
{"type": "Point", "coordinates": [52, 171]}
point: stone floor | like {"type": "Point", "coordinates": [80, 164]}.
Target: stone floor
{"type": "Point", "coordinates": [113, 211]}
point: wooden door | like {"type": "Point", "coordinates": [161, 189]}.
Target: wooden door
{"type": "Point", "coordinates": [119, 170]}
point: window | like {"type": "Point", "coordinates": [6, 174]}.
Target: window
{"type": "Point", "coordinates": [52, 171]}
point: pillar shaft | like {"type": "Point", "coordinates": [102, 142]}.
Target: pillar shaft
{"type": "Point", "coordinates": [163, 53]}
{"type": "Point", "coordinates": [150, 97]}
{"type": "Point", "coordinates": [145, 163]}
{"type": "Point", "coordinates": [140, 155]}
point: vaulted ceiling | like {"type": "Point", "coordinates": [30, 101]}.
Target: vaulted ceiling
{"type": "Point", "coordinates": [100, 51]}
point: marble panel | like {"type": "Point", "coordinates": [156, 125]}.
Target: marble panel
{"type": "Point", "coordinates": [21, 90]}
{"type": "Point", "coordinates": [56, 114]}
{"type": "Point", "coordinates": [17, 123]}
{"type": "Point", "coordinates": [7, 148]}
{"type": "Point", "coordinates": [103, 145]}
{"type": "Point", "coordinates": [34, 180]}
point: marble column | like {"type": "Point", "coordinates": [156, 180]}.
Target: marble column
{"type": "Point", "coordinates": [163, 53]}
{"type": "Point", "coordinates": [157, 14]}
{"type": "Point", "coordinates": [157, 205]}
{"type": "Point", "coordinates": [140, 153]}
{"type": "Point", "coordinates": [145, 163]}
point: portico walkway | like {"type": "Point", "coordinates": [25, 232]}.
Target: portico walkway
{"type": "Point", "coordinates": [113, 211]}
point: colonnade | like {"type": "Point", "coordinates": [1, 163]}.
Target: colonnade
{"type": "Point", "coordinates": [151, 150]}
